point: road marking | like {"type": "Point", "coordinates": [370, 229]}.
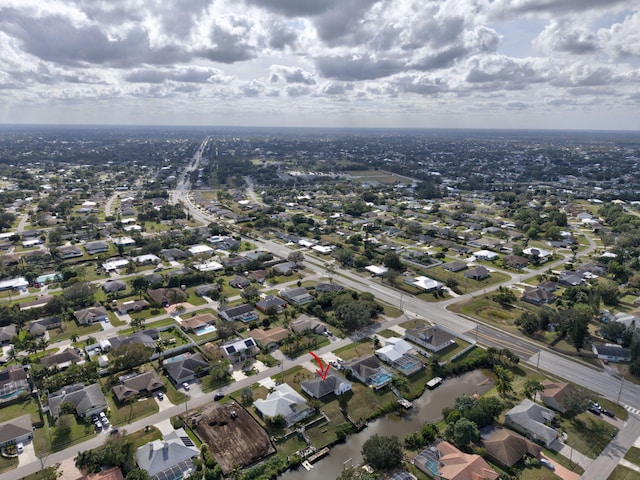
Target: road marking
{"type": "Point", "coordinates": [633, 410]}
{"type": "Point", "coordinates": [506, 343]}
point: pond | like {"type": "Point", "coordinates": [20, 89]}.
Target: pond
{"type": "Point", "coordinates": [427, 408]}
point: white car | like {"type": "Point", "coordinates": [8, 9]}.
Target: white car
{"type": "Point", "coordinates": [547, 463]}
{"type": "Point", "coordinates": [185, 385]}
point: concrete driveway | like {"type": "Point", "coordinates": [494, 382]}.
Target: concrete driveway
{"type": "Point", "coordinates": [561, 471]}
{"type": "Point", "coordinates": [28, 455]}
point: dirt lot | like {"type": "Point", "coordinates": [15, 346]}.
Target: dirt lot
{"type": "Point", "coordinates": [233, 441]}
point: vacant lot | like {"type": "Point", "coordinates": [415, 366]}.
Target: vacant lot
{"type": "Point", "coordinates": [233, 441]}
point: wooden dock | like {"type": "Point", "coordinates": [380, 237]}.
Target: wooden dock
{"type": "Point", "coordinates": [307, 466]}
{"type": "Point", "coordinates": [434, 382]}
{"type": "Point", "coordinates": [318, 455]}
{"type": "Point", "coordinates": [405, 403]}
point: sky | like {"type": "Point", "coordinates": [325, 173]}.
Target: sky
{"type": "Point", "coordinates": [556, 64]}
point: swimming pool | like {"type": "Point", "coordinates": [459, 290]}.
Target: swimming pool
{"type": "Point", "coordinates": [204, 329]}
{"type": "Point", "coordinates": [381, 379]}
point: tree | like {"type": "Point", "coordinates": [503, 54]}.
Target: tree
{"type": "Point", "coordinates": [79, 293]}
{"type": "Point", "coordinates": [247, 396]}
{"type": "Point", "coordinates": [462, 432]}
{"type": "Point", "coordinates": [608, 291]}
{"type": "Point", "coordinates": [529, 323]}
{"type": "Point", "coordinates": [137, 474]}
{"type": "Point", "coordinates": [129, 355]}
{"type": "Point", "coordinates": [87, 461]}
{"type": "Point", "coordinates": [392, 261]}
{"type": "Point", "coordinates": [296, 257]}
{"type": "Point", "coordinates": [356, 473]}
{"type": "Point", "coordinates": [250, 293]}
{"type": "Point", "coordinates": [382, 453]}
{"type": "Point", "coordinates": [504, 380]}
{"type": "Point", "coordinates": [504, 296]}
{"type": "Point", "coordinates": [575, 400]}
{"type": "Point", "coordinates": [531, 387]}
{"type": "Point", "coordinates": [576, 324]}
{"type": "Point", "coordinates": [344, 256]}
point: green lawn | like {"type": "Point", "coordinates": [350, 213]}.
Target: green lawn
{"type": "Point", "coordinates": [623, 473]}
{"type": "Point", "coordinates": [633, 455]}
{"type": "Point", "coordinates": [29, 405]}
{"type": "Point", "coordinates": [66, 431]}
{"type": "Point", "coordinates": [7, 464]}
{"type": "Point", "coordinates": [69, 329]}
{"type": "Point", "coordinates": [587, 433]}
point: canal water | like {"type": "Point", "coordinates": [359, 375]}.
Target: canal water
{"type": "Point", "coordinates": [427, 408]}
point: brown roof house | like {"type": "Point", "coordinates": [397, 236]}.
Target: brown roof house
{"type": "Point", "coordinates": [304, 322]}
{"type": "Point", "coordinates": [552, 394]}
{"type": "Point", "coordinates": [508, 447]}
{"type": "Point", "coordinates": [269, 339]}
{"type": "Point", "coordinates": [13, 379]}
{"type": "Point", "coordinates": [64, 359]}
{"type": "Point", "coordinates": [432, 337]}
{"type": "Point", "coordinates": [197, 321]}
{"type": "Point", "coordinates": [443, 461]}
{"type": "Point", "coordinates": [87, 316]}
{"type": "Point", "coordinates": [144, 383]}
{"type": "Point", "coordinates": [167, 296]}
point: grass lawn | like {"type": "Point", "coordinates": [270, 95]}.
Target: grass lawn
{"type": "Point", "coordinates": [356, 349]}
{"type": "Point", "coordinates": [72, 328]}
{"type": "Point", "coordinates": [619, 411]}
{"type": "Point", "coordinates": [623, 473]}
{"type": "Point", "coordinates": [633, 455]}
{"type": "Point", "coordinates": [445, 354]}
{"type": "Point", "coordinates": [29, 405]}
{"type": "Point", "coordinates": [120, 415]}
{"type": "Point", "coordinates": [160, 323]}
{"type": "Point", "coordinates": [587, 433]}
{"type": "Point", "coordinates": [8, 463]}
{"type": "Point", "coordinates": [67, 430]}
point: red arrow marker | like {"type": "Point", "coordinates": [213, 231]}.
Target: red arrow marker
{"type": "Point", "coordinates": [322, 371]}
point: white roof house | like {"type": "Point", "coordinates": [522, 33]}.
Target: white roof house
{"type": "Point", "coordinates": [322, 249]}
{"type": "Point", "coordinates": [486, 255]}
{"type": "Point", "coordinates": [374, 269]}
{"type": "Point", "coordinates": [427, 283]}
{"type": "Point", "coordinates": [285, 401]}
{"type": "Point", "coordinates": [148, 258]}
{"type": "Point", "coordinates": [209, 266]}
{"type": "Point", "coordinates": [115, 264]}
{"type": "Point", "coordinates": [15, 283]}
{"type": "Point", "coordinates": [394, 349]}
{"type": "Point", "coordinates": [537, 251]}
{"type": "Point", "coordinates": [124, 241]}
{"type": "Point", "coordinates": [200, 249]}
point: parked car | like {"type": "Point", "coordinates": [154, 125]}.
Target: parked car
{"type": "Point", "coordinates": [19, 448]}
{"type": "Point", "coordinates": [160, 395]}
{"type": "Point", "coordinates": [545, 462]}
{"type": "Point", "coordinates": [185, 385]}
{"type": "Point", "coordinates": [105, 422]}
{"type": "Point", "coordinates": [608, 413]}
{"type": "Point", "coordinates": [218, 396]}
{"type": "Point", "coordinates": [594, 410]}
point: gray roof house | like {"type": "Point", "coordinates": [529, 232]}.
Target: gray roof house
{"type": "Point", "coordinates": [240, 349]}
{"type": "Point", "coordinates": [185, 368]}
{"type": "Point", "coordinates": [16, 430]}
{"type": "Point", "coordinates": [167, 458]}
{"type": "Point", "coordinates": [87, 400]}
{"type": "Point", "coordinates": [431, 337]}
{"type": "Point", "coordinates": [96, 247]}
{"type": "Point", "coordinates": [38, 327]}
{"type": "Point", "coordinates": [87, 316]}
{"type": "Point", "coordinates": [114, 286]}
{"type": "Point", "coordinates": [144, 383]}
{"type": "Point", "coordinates": [305, 322]}
{"type": "Point", "coordinates": [243, 313]}
{"type": "Point", "coordinates": [297, 296]}
{"type": "Point", "coordinates": [369, 371]}
{"type": "Point", "coordinates": [7, 333]}
{"type": "Point", "coordinates": [612, 352]}
{"type": "Point", "coordinates": [13, 379]}
{"type": "Point", "coordinates": [64, 359]}
{"type": "Point", "coordinates": [531, 420]}
{"type": "Point", "coordinates": [319, 388]}
{"type": "Point", "coordinates": [68, 252]}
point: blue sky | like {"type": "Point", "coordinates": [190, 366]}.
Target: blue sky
{"type": "Point", "coordinates": [338, 63]}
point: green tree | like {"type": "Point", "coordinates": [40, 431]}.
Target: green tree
{"type": "Point", "coordinates": [575, 400]}
{"type": "Point", "coordinates": [88, 461]}
{"type": "Point", "coordinates": [504, 296]}
{"type": "Point", "coordinates": [382, 453]}
{"type": "Point", "coordinates": [462, 432]}
{"type": "Point", "coordinates": [355, 473]}
{"type": "Point", "coordinates": [137, 474]}
{"type": "Point", "coordinates": [531, 387]}
{"type": "Point", "coordinates": [392, 261]}
{"type": "Point", "coordinates": [129, 355]}
{"type": "Point", "coordinates": [504, 380]}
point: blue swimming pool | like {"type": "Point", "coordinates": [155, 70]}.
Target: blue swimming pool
{"type": "Point", "coordinates": [381, 379]}
{"type": "Point", "coordinates": [204, 329]}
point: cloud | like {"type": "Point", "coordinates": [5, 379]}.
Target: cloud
{"type": "Point", "coordinates": [229, 41]}
{"type": "Point", "coordinates": [252, 89]}
{"type": "Point", "coordinates": [563, 36]}
{"type": "Point", "coordinates": [297, 90]}
{"type": "Point", "coordinates": [622, 39]}
{"type": "Point", "coordinates": [500, 9]}
{"type": "Point", "coordinates": [356, 67]}
{"type": "Point", "coordinates": [295, 8]}
{"type": "Point", "coordinates": [281, 36]}
{"type": "Point", "coordinates": [184, 74]}
{"type": "Point", "coordinates": [290, 75]}
{"type": "Point", "coordinates": [499, 72]}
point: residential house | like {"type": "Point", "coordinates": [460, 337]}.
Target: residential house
{"type": "Point", "coordinates": [69, 356]}
{"type": "Point", "coordinates": [515, 261]}
{"type": "Point", "coordinates": [68, 252]}
{"type": "Point", "coordinates": [319, 387]}
{"type": "Point", "coordinates": [571, 279]}
{"type": "Point", "coordinates": [146, 337]}
{"type": "Point", "coordinates": [477, 273]}
{"type": "Point", "coordinates": [259, 276]}
{"type": "Point", "coordinates": [271, 301]}
{"type": "Point", "coordinates": [90, 315]}
{"type": "Point", "coordinates": [296, 296]}
{"type": "Point", "coordinates": [17, 283]}
{"type": "Point", "coordinates": [13, 379]}
{"type": "Point", "coordinates": [424, 283]}
{"type": "Point", "coordinates": [168, 458]}
{"type": "Point", "coordinates": [612, 352]}
{"type": "Point", "coordinates": [132, 306]}
{"type": "Point", "coordinates": [532, 420]}
{"type": "Point", "coordinates": [306, 323]}
{"type": "Point", "coordinates": [147, 259]}
{"type": "Point", "coordinates": [443, 461]}
{"type": "Point", "coordinates": [243, 313]}
{"type": "Point", "coordinates": [37, 257]}
{"type": "Point", "coordinates": [38, 327]}
{"type": "Point", "coordinates": [198, 321]}
{"type": "Point", "coordinates": [432, 337]}
{"type": "Point", "coordinates": [285, 401]}
{"type": "Point", "coordinates": [537, 296]}
{"type": "Point", "coordinates": [167, 296]}
{"type": "Point", "coordinates": [239, 282]}
{"type": "Point", "coordinates": [553, 393]}
{"type": "Point", "coordinates": [94, 248]}
{"type": "Point", "coordinates": [507, 447]}
{"type": "Point", "coordinates": [486, 255]}
{"type": "Point", "coordinates": [173, 254]}
{"type": "Point", "coordinates": [113, 286]}
{"type": "Point", "coordinates": [140, 384]}
{"type": "Point", "coordinates": [87, 400]}
{"type": "Point", "coordinates": [240, 349]}
{"type": "Point", "coordinates": [454, 266]}
{"type": "Point", "coordinates": [185, 367]}
{"type": "Point", "coordinates": [285, 268]}
{"type": "Point", "coordinates": [269, 339]}
{"type": "Point", "coordinates": [400, 355]}
{"type": "Point", "coordinates": [7, 333]}
{"type": "Point", "coordinates": [369, 371]}
{"type": "Point", "coordinates": [206, 290]}
{"type": "Point", "coordinates": [16, 430]}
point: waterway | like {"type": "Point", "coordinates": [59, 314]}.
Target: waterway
{"type": "Point", "coordinates": [427, 408]}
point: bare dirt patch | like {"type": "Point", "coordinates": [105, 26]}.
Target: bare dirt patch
{"type": "Point", "coordinates": [233, 436]}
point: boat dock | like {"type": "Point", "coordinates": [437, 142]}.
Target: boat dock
{"type": "Point", "coordinates": [434, 382]}
{"type": "Point", "coordinates": [405, 403]}
{"type": "Point", "coordinates": [318, 455]}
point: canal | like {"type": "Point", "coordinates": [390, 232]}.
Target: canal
{"type": "Point", "coordinates": [427, 408]}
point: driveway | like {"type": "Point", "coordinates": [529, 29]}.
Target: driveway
{"type": "Point", "coordinates": [28, 455]}
{"type": "Point", "coordinates": [561, 471]}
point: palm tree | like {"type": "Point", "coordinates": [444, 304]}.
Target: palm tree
{"type": "Point", "coordinates": [74, 337]}
{"type": "Point", "coordinates": [504, 381]}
